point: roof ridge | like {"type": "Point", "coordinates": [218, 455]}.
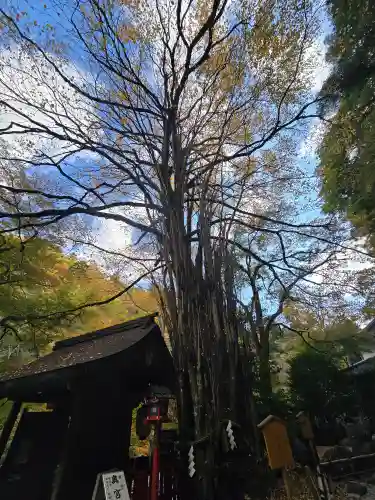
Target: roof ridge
{"type": "Point", "coordinates": [142, 321]}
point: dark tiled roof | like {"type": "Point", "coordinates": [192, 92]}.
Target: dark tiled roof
{"type": "Point", "coordinates": [87, 347]}
{"type": "Point", "coordinates": [363, 366]}
{"type": "Point", "coordinates": [370, 326]}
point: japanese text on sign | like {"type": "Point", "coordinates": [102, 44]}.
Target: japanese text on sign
{"type": "Point", "coordinates": [115, 487]}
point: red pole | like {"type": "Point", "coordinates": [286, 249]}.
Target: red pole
{"type": "Point", "coordinates": [155, 468]}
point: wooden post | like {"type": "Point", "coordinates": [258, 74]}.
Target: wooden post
{"type": "Point", "coordinates": [8, 426]}
{"type": "Point", "coordinates": [288, 482]}
{"type": "Point", "coordinates": [311, 483]}
{"type": "Point", "coordinates": [308, 434]}
{"type": "Point", "coordinates": [155, 467]}
{"type": "Point", "coordinates": [279, 450]}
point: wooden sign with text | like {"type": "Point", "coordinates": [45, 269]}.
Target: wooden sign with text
{"type": "Point", "coordinates": [111, 486]}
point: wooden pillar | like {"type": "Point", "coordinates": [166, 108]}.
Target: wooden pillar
{"type": "Point", "coordinates": [8, 426]}
{"type": "Point", "coordinates": [308, 435]}
{"type": "Point", "coordinates": [98, 438]}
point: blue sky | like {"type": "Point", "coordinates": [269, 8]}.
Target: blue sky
{"type": "Point", "coordinates": [44, 13]}
{"type": "Point", "coordinates": [110, 234]}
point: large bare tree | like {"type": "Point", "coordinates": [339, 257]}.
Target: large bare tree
{"type": "Point", "coordinates": [181, 120]}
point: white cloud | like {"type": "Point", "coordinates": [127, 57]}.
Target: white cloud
{"type": "Point", "coordinates": [36, 96]}
{"type": "Point", "coordinates": [26, 79]}
{"type": "Point", "coordinates": [113, 235]}
{"type": "Point", "coordinates": [350, 259]}
{"type": "Point", "coordinates": [110, 243]}
{"type": "Point", "coordinates": [355, 260]}
{"type": "Point", "coordinates": [320, 69]}
{"type": "Point", "coordinates": [310, 145]}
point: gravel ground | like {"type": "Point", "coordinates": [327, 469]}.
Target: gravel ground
{"type": "Point", "coordinates": [370, 495]}
{"type": "Point", "coordinates": [355, 485]}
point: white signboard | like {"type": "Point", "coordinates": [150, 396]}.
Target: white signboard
{"type": "Point", "coordinates": [114, 486]}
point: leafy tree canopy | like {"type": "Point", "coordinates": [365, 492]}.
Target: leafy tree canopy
{"type": "Point", "coordinates": [318, 385]}
{"type": "Point", "coordinates": [347, 150]}
{"type": "Point", "coordinates": [37, 278]}
{"type": "Point", "coordinates": [328, 329]}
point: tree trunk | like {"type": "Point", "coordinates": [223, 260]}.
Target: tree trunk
{"type": "Point", "coordinates": [214, 370]}
{"type": "Point", "coordinates": [202, 316]}
{"type": "Point", "coordinates": [265, 373]}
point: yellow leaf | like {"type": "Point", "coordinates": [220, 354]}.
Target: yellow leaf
{"type": "Point", "coordinates": [123, 96]}
{"type": "Point", "coordinates": [128, 33]}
